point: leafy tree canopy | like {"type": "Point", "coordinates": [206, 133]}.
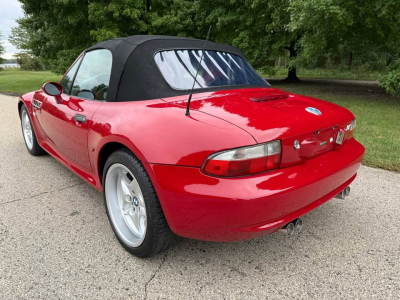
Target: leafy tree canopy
{"type": "Point", "coordinates": [368, 28]}
{"type": "Point", "coordinates": [58, 30]}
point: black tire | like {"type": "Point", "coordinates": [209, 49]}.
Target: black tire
{"type": "Point", "coordinates": [35, 149]}
{"type": "Point", "coordinates": [159, 236]}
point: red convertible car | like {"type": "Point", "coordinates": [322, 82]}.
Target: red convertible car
{"type": "Point", "coordinates": [248, 159]}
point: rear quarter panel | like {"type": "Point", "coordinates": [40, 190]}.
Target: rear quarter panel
{"type": "Point", "coordinates": [160, 133]}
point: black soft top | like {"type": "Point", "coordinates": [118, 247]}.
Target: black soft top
{"type": "Point", "coordinates": [135, 75]}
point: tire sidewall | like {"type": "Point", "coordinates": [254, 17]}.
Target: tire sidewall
{"type": "Point", "coordinates": [121, 157]}
{"type": "Point", "coordinates": [36, 150]}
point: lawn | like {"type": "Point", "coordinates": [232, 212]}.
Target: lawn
{"type": "Point", "coordinates": [377, 113]}
{"type": "Point", "coordinates": [330, 74]}
{"type": "Point", "coordinates": [21, 82]}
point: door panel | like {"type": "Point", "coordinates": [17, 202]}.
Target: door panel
{"type": "Point", "coordinates": [66, 119]}
{"type": "Point", "coordinates": [64, 131]}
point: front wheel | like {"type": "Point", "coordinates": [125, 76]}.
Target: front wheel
{"type": "Point", "coordinates": [133, 208]}
{"type": "Point", "coordinates": [29, 134]}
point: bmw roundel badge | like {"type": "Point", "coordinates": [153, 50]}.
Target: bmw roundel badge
{"type": "Point", "coordinates": [314, 111]}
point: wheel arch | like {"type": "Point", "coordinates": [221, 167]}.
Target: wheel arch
{"type": "Point", "coordinates": [20, 103]}
{"type": "Point", "coordinates": [110, 147]}
{"type": "Point", "coordinates": [27, 101]}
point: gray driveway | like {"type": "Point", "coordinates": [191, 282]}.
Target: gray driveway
{"type": "Point", "coordinates": [55, 242]}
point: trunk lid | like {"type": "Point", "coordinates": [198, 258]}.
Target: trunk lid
{"type": "Point", "coordinates": [270, 114]}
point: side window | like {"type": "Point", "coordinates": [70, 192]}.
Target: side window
{"type": "Point", "coordinates": [93, 77]}
{"type": "Point", "coordinates": [67, 80]}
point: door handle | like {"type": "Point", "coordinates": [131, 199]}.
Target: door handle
{"type": "Point", "coordinates": [80, 118]}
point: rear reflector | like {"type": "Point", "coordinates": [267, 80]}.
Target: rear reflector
{"type": "Point", "coordinates": [346, 133]}
{"type": "Point", "coordinates": [340, 137]}
{"type": "Point", "coordinates": [244, 161]}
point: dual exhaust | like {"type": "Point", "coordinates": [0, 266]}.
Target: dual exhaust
{"type": "Point", "coordinates": [294, 226]}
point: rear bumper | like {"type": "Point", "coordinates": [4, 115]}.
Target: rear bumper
{"type": "Point", "coordinates": [202, 207]}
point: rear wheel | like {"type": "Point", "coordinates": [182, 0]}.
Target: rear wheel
{"type": "Point", "coordinates": [29, 134]}
{"type": "Point", "coordinates": [133, 208]}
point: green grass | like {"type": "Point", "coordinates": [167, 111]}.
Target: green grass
{"type": "Point", "coordinates": [378, 117]}
{"type": "Point", "coordinates": [377, 113]}
{"type": "Point", "coordinates": [329, 74]}
{"type": "Point", "coordinates": [21, 82]}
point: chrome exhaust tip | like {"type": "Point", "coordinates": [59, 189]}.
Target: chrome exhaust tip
{"type": "Point", "coordinates": [298, 225]}
{"type": "Point", "coordinates": [288, 229]}
{"type": "Point", "coordinates": [347, 191]}
{"type": "Point", "coordinates": [343, 194]}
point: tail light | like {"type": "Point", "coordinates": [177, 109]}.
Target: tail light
{"type": "Point", "coordinates": [352, 128]}
{"type": "Point", "coordinates": [244, 161]}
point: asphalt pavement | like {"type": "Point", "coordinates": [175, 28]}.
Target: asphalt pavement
{"type": "Point", "coordinates": [56, 243]}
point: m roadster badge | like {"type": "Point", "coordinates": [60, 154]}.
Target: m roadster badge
{"type": "Point", "coordinates": [313, 111]}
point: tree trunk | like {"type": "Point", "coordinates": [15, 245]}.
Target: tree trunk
{"type": "Point", "coordinates": [144, 16]}
{"type": "Point", "coordinates": [350, 61]}
{"type": "Point", "coordinates": [148, 5]}
{"type": "Point", "coordinates": [292, 72]}
{"type": "Point", "coordinates": [388, 61]}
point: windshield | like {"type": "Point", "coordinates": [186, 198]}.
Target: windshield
{"type": "Point", "coordinates": [217, 69]}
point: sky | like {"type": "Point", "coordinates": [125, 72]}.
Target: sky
{"type": "Point", "coordinates": [10, 10]}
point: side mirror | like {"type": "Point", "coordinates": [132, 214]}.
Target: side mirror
{"type": "Point", "coordinates": [53, 89]}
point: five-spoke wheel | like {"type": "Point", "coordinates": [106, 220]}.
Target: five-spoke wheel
{"type": "Point", "coordinates": [27, 129]}
{"type": "Point", "coordinates": [126, 205]}
{"type": "Point", "coordinates": [133, 207]}
{"type": "Point", "coordinates": [29, 134]}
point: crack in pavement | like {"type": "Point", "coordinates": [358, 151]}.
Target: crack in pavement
{"type": "Point", "coordinates": [154, 275]}
{"type": "Point", "coordinates": [37, 195]}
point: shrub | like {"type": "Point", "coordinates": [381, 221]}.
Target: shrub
{"type": "Point", "coordinates": [30, 63]}
{"type": "Point", "coordinates": [391, 82]}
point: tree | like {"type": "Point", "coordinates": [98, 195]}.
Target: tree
{"type": "Point", "coordinates": [366, 28]}
{"type": "Point", "coordinates": [110, 19]}
{"type": "Point", "coordinates": [258, 28]}
{"type": "Point", "coordinates": [391, 80]}
{"type": "Point", "coordinates": [243, 23]}
{"type": "Point", "coordinates": [29, 62]}
{"type": "Point", "coordinates": [2, 50]}
{"type": "Point", "coordinates": [19, 37]}
{"type": "Point", "coordinates": [57, 31]}
{"type": "Point", "coordinates": [305, 31]}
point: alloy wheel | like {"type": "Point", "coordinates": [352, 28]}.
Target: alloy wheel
{"type": "Point", "coordinates": [27, 129]}
{"type": "Point", "coordinates": [125, 204]}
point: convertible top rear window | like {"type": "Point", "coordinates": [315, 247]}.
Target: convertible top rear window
{"type": "Point", "coordinates": [218, 68]}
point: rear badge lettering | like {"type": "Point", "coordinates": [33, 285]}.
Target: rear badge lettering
{"type": "Point", "coordinates": [323, 143]}
{"type": "Point", "coordinates": [314, 111]}
{"type": "Point", "coordinates": [296, 144]}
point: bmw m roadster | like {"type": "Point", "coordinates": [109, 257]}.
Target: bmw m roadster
{"type": "Point", "coordinates": [247, 160]}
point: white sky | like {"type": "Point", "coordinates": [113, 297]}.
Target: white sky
{"type": "Point", "coordinates": [10, 10]}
